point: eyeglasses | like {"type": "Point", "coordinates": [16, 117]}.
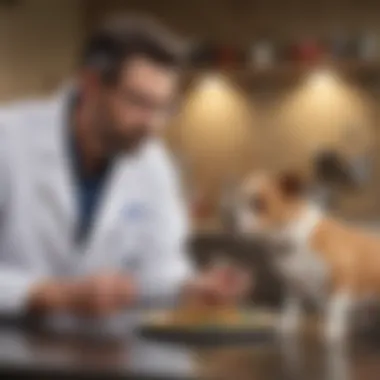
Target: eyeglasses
{"type": "Point", "coordinates": [132, 98]}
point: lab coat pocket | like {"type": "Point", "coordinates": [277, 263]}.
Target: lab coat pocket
{"type": "Point", "coordinates": [132, 232]}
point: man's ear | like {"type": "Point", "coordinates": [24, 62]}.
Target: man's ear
{"type": "Point", "coordinates": [291, 184]}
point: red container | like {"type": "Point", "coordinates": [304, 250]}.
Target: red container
{"type": "Point", "coordinates": [308, 52]}
{"type": "Point", "coordinates": [228, 57]}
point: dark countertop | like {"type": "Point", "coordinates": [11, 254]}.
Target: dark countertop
{"type": "Point", "coordinates": [25, 353]}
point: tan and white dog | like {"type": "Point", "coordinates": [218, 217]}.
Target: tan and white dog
{"type": "Point", "coordinates": [326, 261]}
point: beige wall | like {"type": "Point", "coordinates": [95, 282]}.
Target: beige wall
{"type": "Point", "coordinates": [242, 20]}
{"type": "Point", "coordinates": [39, 40]}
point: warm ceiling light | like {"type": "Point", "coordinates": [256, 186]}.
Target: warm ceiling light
{"type": "Point", "coordinates": [322, 79]}
{"type": "Point", "coordinates": [213, 82]}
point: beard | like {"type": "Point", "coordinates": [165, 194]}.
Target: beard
{"type": "Point", "coordinates": [129, 143]}
{"type": "Point", "coordinates": [124, 143]}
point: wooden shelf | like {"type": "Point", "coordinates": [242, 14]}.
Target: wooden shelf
{"type": "Point", "coordinates": [290, 72]}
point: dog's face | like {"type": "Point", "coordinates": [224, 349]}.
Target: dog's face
{"type": "Point", "coordinates": [268, 203]}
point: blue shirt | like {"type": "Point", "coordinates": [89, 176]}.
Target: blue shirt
{"type": "Point", "coordinates": [89, 189]}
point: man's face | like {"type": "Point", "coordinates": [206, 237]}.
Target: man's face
{"type": "Point", "coordinates": [137, 106]}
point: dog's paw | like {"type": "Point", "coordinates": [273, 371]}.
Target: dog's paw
{"type": "Point", "coordinates": [289, 325]}
{"type": "Point", "coordinates": [335, 334]}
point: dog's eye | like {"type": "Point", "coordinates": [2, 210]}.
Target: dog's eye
{"type": "Point", "coordinates": [257, 204]}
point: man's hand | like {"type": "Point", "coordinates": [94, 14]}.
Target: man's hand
{"type": "Point", "coordinates": [103, 295]}
{"type": "Point", "coordinates": [219, 286]}
{"type": "Point", "coordinates": [99, 295]}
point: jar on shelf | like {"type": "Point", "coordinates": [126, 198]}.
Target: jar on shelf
{"type": "Point", "coordinates": [368, 47]}
{"type": "Point", "coordinates": [262, 54]}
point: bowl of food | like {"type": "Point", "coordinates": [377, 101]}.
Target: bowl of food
{"type": "Point", "coordinates": [210, 326]}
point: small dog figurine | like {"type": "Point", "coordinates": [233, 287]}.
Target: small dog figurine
{"type": "Point", "coordinates": [326, 261]}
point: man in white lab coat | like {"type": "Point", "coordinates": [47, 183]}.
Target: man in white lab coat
{"type": "Point", "coordinates": [92, 221]}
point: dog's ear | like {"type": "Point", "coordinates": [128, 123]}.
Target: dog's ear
{"type": "Point", "coordinates": [292, 184]}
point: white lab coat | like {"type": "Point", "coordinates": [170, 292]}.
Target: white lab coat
{"type": "Point", "coordinates": [139, 227]}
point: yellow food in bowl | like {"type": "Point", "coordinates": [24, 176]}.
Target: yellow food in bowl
{"type": "Point", "coordinates": [198, 317]}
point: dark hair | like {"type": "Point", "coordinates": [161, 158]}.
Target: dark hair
{"type": "Point", "coordinates": [124, 37]}
{"type": "Point", "coordinates": [331, 168]}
